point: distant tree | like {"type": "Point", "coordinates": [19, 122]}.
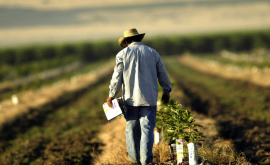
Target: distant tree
{"type": "Point", "coordinates": [26, 55]}
{"type": "Point", "coordinates": [8, 56]}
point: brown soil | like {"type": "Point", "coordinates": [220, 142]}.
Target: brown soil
{"type": "Point", "coordinates": [112, 135]}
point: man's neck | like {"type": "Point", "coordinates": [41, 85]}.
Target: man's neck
{"type": "Point", "coordinates": [131, 43]}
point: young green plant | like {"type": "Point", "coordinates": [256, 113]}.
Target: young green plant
{"type": "Point", "coordinates": [177, 122]}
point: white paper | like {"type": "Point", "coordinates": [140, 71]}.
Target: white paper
{"type": "Point", "coordinates": [112, 112]}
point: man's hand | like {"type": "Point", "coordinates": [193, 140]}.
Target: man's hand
{"type": "Point", "coordinates": [109, 101]}
{"type": "Point", "coordinates": [165, 98]}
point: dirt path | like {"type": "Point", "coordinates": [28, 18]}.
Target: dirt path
{"type": "Point", "coordinates": [112, 135]}
{"type": "Point", "coordinates": [228, 72]}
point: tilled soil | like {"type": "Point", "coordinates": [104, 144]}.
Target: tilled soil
{"type": "Point", "coordinates": [112, 135]}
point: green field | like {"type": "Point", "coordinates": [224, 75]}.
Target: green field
{"type": "Point", "coordinates": [57, 135]}
{"type": "Point", "coordinates": [240, 108]}
{"type": "Point", "coordinates": [260, 60]}
{"type": "Point", "coordinates": [21, 61]}
{"type": "Point", "coordinates": [66, 133]}
{"type": "Point", "coordinates": [37, 83]}
{"type": "Point", "coordinates": [236, 98]}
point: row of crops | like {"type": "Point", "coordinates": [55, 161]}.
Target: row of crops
{"type": "Point", "coordinates": [55, 134]}
{"type": "Point", "coordinates": [11, 73]}
{"type": "Point", "coordinates": [92, 51]}
{"type": "Point", "coordinates": [41, 58]}
{"type": "Point", "coordinates": [235, 98]}
{"type": "Point", "coordinates": [7, 90]}
{"type": "Point", "coordinates": [258, 59]}
{"type": "Point", "coordinates": [241, 108]}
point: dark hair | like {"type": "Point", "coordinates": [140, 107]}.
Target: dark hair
{"type": "Point", "coordinates": [134, 38]}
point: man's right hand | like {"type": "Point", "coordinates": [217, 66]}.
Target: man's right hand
{"type": "Point", "coordinates": [165, 98]}
{"type": "Point", "coordinates": [109, 102]}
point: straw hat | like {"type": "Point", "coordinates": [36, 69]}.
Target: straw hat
{"type": "Point", "coordinates": [127, 34]}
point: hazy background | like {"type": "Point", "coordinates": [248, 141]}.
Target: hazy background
{"type": "Point", "coordinates": [45, 21]}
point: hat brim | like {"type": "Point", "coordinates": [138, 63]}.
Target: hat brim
{"type": "Point", "coordinates": [122, 43]}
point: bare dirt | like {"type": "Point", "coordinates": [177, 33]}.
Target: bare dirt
{"type": "Point", "coordinates": [112, 135]}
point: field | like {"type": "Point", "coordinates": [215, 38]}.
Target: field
{"type": "Point", "coordinates": [71, 132]}
{"type": "Point", "coordinates": [60, 88]}
{"type": "Point", "coordinates": [56, 134]}
{"type": "Point", "coordinates": [240, 108]}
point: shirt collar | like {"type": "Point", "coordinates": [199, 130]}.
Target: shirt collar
{"type": "Point", "coordinates": [135, 43]}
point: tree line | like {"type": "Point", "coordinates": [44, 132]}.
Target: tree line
{"type": "Point", "coordinates": [165, 45]}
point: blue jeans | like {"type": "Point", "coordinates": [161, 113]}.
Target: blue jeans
{"type": "Point", "coordinates": [140, 123]}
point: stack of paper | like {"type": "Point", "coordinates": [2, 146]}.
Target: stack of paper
{"type": "Point", "coordinates": [112, 112]}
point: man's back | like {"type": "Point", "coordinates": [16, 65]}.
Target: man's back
{"type": "Point", "coordinates": [141, 67]}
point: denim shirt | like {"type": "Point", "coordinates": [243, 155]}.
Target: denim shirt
{"type": "Point", "coordinates": [138, 67]}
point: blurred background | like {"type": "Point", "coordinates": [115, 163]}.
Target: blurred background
{"type": "Point", "coordinates": [215, 51]}
{"type": "Point", "coordinates": [46, 21]}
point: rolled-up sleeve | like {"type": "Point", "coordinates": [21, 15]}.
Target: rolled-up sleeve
{"type": "Point", "coordinates": [163, 77]}
{"type": "Point", "coordinates": [117, 77]}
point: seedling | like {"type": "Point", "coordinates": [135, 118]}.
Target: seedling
{"type": "Point", "coordinates": [177, 122]}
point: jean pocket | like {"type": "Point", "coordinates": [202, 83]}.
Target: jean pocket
{"type": "Point", "coordinates": [150, 107]}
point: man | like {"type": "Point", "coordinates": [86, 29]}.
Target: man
{"type": "Point", "coordinates": [138, 67]}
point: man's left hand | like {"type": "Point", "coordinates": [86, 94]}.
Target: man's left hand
{"type": "Point", "coordinates": [165, 98]}
{"type": "Point", "coordinates": [109, 101]}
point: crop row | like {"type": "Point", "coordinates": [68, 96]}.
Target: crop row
{"type": "Point", "coordinates": [250, 61]}
{"type": "Point", "coordinates": [47, 78]}
{"type": "Point", "coordinates": [11, 73]}
{"type": "Point", "coordinates": [235, 98]}
{"type": "Point", "coordinates": [55, 134]}
{"type": "Point", "coordinates": [241, 109]}
{"type": "Point", "coordinates": [91, 51]}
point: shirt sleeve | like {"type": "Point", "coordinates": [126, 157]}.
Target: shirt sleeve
{"type": "Point", "coordinates": [162, 75]}
{"type": "Point", "coordinates": [117, 77]}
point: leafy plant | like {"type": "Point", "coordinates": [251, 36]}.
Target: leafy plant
{"type": "Point", "coordinates": [177, 122]}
